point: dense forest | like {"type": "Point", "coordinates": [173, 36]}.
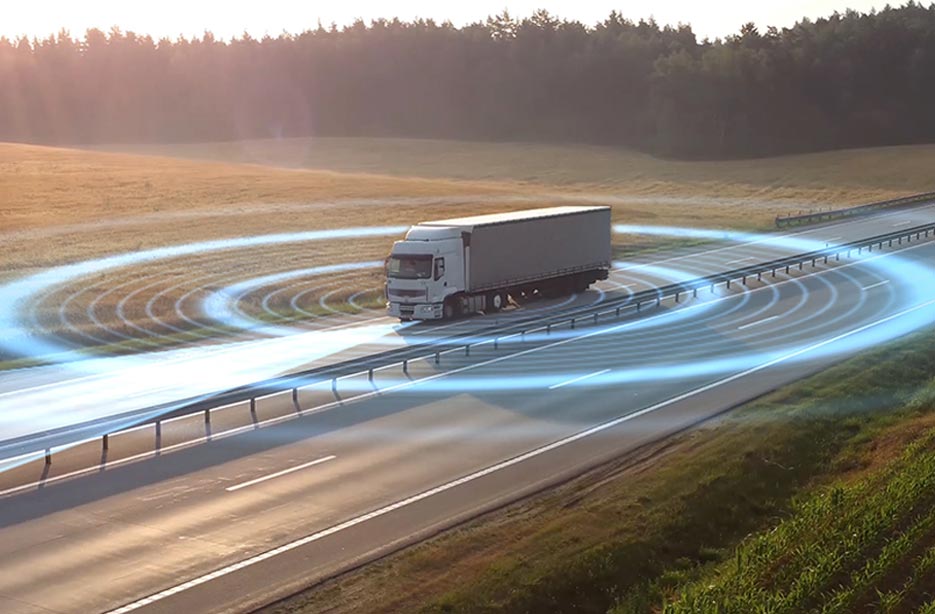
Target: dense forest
{"type": "Point", "coordinates": [849, 80]}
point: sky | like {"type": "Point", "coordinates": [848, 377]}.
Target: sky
{"type": "Point", "coordinates": [709, 18]}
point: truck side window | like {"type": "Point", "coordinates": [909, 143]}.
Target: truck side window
{"type": "Point", "coordinates": [439, 268]}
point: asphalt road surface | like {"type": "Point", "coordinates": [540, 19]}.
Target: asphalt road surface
{"type": "Point", "coordinates": [231, 523]}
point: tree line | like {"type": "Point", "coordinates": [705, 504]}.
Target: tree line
{"type": "Point", "coordinates": [853, 79]}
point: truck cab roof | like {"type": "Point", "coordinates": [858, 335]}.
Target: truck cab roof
{"type": "Point", "coordinates": [426, 232]}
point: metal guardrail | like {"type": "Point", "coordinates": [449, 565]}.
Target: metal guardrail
{"type": "Point", "coordinates": [833, 214]}
{"type": "Point", "coordinates": [493, 335]}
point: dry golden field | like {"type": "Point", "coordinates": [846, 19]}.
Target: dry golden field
{"type": "Point", "coordinates": [64, 205]}
{"type": "Point", "coordinates": [824, 179]}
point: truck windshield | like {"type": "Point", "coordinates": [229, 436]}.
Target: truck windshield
{"type": "Point", "coordinates": [410, 266]}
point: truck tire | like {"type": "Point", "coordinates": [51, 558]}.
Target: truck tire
{"type": "Point", "coordinates": [495, 302]}
{"type": "Point", "coordinates": [450, 310]}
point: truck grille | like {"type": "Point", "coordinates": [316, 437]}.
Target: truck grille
{"type": "Point", "coordinates": [406, 293]}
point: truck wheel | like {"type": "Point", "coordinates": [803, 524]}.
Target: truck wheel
{"type": "Point", "coordinates": [495, 302]}
{"type": "Point", "coordinates": [449, 310]}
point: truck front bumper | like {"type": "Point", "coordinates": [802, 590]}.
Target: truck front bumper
{"type": "Point", "coordinates": [418, 311]}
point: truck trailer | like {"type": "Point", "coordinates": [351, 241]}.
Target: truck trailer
{"type": "Point", "coordinates": [447, 268]}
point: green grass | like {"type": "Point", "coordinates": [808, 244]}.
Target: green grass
{"type": "Point", "coordinates": [849, 546]}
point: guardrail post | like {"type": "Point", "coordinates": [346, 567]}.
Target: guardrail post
{"type": "Point", "coordinates": [595, 317]}
{"type": "Point", "coordinates": [495, 343]}
{"type": "Point", "coordinates": [800, 266]}
{"type": "Point", "coordinates": [48, 456]}
{"type": "Point", "coordinates": [370, 375]}
{"type": "Point", "coordinates": [253, 417]}
{"type": "Point", "coordinates": [743, 282]}
{"type": "Point", "coordinates": [158, 434]}
{"type": "Point", "coordinates": [572, 323]}
{"type": "Point", "coordinates": [105, 442]}
{"type": "Point", "coordinates": [728, 284]}
{"type": "Point", "coordinates": [295, 399]}
{"type": "Point", "coordinates": [207, 417]}
{"type": "Point", "coordinates": [773, 273]}
{"type": "Point", "coordinates": [437, 358]}
{"type": "Point", "coordinates": [759, 276]}
{"type": "Point", "coordinates": [787, 269]}
{"type": "Point", "coordinates": [694, 292]}
{"type": "Point", "coordinates": [406, 367]}
{"type": "Point", "coordinates": [334, 386]}
{"type": "Point", "coordinates": [617, 312]}
{"type": "Point", "coordinates": [467, 349]}
{"type": "Point", "coordinates": [548, 328]}
{"type": "Point", "coordinates": [676, 297]}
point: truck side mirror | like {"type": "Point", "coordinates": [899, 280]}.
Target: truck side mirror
{"type": "Point", "coordinates": [439, 268]}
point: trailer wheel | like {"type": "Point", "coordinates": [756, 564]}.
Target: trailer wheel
{"type": "Point", "coordinates": [495, 302]}
{"type": "Point", "coordinates": [449, 310]}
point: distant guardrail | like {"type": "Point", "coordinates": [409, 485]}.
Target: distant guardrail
{"type": "Point", "coordinates": [834, 214]}
{"type": "Point", "coordinates": [492, 336]}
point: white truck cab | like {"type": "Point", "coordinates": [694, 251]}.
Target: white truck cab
{"type": "Point", "coordinates": [422, 271]}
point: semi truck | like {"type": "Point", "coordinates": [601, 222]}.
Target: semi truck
{"type": "Point", "coordinates": [447, 268]}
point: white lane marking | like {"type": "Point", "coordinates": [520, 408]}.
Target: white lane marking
{"type": "Point", "coordinates": [271, 476]}
{"type": "Point", "coordinates": [830, 239]}
{"type": "Point", "coordinates": [368, 395]}
{"type": "Point", "coordinates": [758, 322]}
{"type": "Point", "coordinates": [876, 285]}
{"type": "Point", "coordinates": [739, 260]}
{"type": "Point", "coordinates": [579, 379]}
{"type": "Point", "coordinates": [904, 223]}
{"type": "Point", "coordinates": [392, 507]}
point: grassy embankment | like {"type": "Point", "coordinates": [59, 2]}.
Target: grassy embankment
{"type": "Point", "coordinates": [832, 475]}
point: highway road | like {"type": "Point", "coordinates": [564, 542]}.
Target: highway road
{"type": "Point", "coordinates": [239, 520]}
